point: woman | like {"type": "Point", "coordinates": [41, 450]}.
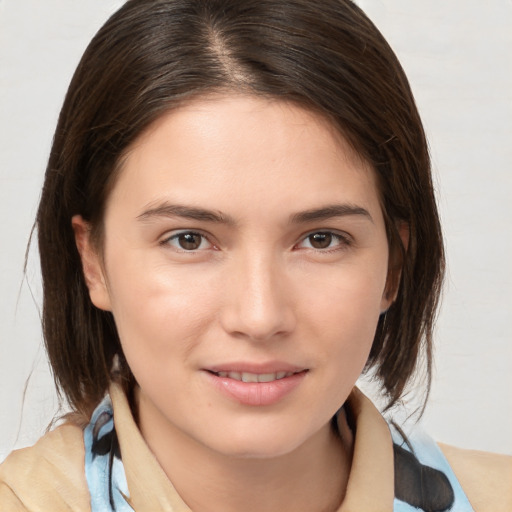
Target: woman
{"type": "Point", "coordinates": [237, 220]}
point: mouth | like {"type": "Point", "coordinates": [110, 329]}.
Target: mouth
{"type": "Point", "coordinates": [255, 377]}
{"type": "Point", "coordinates": [261, 386]}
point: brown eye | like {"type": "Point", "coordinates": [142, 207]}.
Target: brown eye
{"type": "Point", "coordinates": [320, 240]}
{"type": "Point", "coordinates": [324, 242]}
{"type": "Point", "coordinates": [189, 241]}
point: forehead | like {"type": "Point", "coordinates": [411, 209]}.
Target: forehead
{"type": "Point", "coordinates": [246, 151]}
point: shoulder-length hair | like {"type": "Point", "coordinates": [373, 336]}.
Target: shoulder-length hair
{"type": "Point", "coordinates": [153, 55]}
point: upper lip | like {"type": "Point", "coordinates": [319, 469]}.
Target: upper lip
{"type": "Point", "coordinates": [256, 368]}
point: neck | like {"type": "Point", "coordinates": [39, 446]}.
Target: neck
{"type": "Point", "coordinates": [313, 477]}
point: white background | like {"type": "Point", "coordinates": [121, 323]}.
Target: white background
{"type": "Point", "coordinates": [458, 56]}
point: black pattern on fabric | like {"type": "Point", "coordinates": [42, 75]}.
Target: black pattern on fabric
{"type": "Point", "coordinates": [103, 463]}
{"type": "Point", "coordinates": [424, 480]}
{"type": "Point", "coordinates": [419, 485]}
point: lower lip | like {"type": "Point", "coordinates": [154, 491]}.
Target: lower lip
{"type": "Point", "coordinates": [256, 393]}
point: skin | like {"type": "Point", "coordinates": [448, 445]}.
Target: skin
{"type": "Point", "coordinates": [258, 288]}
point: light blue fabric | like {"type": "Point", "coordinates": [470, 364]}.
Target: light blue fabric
{"type": "Point", "coordinates": [108, 488]}
{"type": "Point", "coordinates": [429, 454]}
{"type": "Point", "coordinates": [104, 470]}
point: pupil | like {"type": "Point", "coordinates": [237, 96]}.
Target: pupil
{"type": "Point", "coordinates": [189, 241]}
{"type": "Point", "coordinates": [320, 240]}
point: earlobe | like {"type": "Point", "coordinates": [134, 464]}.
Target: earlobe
{"type": "Point", "coordinates": [404, 232]}
{"type": "Point", "coordinates": [91, 264]}
{"type": "Point", "coordinates": [386, 301]}
{"type": "Point", "coordinates": [397, 255]}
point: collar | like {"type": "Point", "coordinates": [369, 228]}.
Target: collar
{"type": "Point", "coordinates": [371, 481]}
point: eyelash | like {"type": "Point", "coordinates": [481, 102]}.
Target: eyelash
{"type": "Point", "coordinates": [167, 241]}
{"type": "Point", "coordinates": [343, 241]}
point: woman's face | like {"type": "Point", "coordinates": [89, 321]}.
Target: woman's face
{"type": "Point", "coordinates": [245, 262]}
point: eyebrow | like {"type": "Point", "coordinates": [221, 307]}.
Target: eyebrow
{"type": "Point", "coordinates": [329, 212]}
{"type": "Point", "coordinates": [185, 212]}
{"type": "Point", "coordinates": [201, 214]}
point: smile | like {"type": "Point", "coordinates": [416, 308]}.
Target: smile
{"type": "Point", "coordinates": [254, 377]}
{"type": "Point", "coordinates": [256, 388]}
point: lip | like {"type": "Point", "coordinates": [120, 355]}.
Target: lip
{"type": "Point", "coordinates": [255, 393]}
{"type": "Point", "coordinates": [267, 367]}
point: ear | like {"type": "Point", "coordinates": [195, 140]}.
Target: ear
{"type": "Point", "coordinates": [396, 261]}
{"type": "Point", "coordinates": [91, 264]}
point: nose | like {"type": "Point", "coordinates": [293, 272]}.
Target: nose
{"type": "Point", "coordinates": [259, 301]}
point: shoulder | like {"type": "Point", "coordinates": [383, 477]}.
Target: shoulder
{"type": "Point", "coordinates": [47, 476]}
{"type": "Point", "coordinates": [464, 479]}
{"type": "Point", "coordinates": [485, 477]}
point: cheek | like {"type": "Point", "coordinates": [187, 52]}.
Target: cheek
{"type": "Point", "coordinates": [344, 312]}
{"type": "Point", "coordinates": [159, 311]}
{"type": "Point", "coordinates": [351, 294]}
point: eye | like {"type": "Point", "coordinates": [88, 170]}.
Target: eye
{"type": "Point", "coordinates": [188, 241]}
{"type": "Point", "coordinates": [322, 240]}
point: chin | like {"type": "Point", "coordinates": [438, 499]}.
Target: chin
{"type": "Point", "coordinates": [257, 442]}
{"type": "Point", "coordinates": [256, 450]}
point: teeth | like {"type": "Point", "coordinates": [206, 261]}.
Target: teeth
{"type": "Point", "coordinates": [267, 377]}
{"type": "Point", "coordinates": [255, 377]}
{"type": "Point", "coordinates": [249, 377]}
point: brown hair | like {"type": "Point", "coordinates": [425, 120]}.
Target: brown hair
{"type": "Point", "coordinates": [153, 55]}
